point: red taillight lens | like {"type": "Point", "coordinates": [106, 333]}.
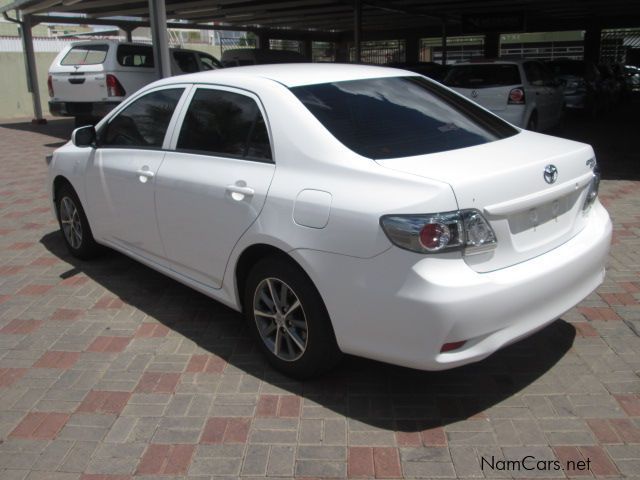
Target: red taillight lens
{"type": "Point", "coordinates": [114, 88]}
{"type": "Point", "coordinates": [447, 347]}
{"type": "Point", "coordinates": [516, 96]}
{"type": "Point", "coordinates": [434, 236]}
{"type": "Point", "coordinates": [465, 230]}
{"type": "Point", "coordinates": [50, 85]}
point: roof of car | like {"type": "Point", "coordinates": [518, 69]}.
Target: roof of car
{"type": "Point", "coordinates": [293, 74]}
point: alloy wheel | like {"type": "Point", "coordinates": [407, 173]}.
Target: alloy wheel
{"type": "Point", "coordinates": [280, 319]}
{"type": "Point", "coordinates": [70, 221]}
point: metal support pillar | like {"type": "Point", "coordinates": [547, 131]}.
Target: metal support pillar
{"type": "Point", "coordinates": [307, 46]}
{"type": "Point", "coordinates": [412, 50]}
{"type": "Point", "coordinates": [264, 41]}
{"type": "Point", "coordinates": [444, 41]}
{"type": "Point", "coordinates": [342, 51]}
{"type": "Point", "coordinates": [592, 41]}
{"type": "Point", "coordinates": [129, 34]}
{"type": "Point", "coordinates": [30, 67]}
{"type": "Point", "coordinates": [492, 45]}
{"type": "Point", "coordinates": [160, 37]}
{"type": "Point", "coordinates": [357, 31]}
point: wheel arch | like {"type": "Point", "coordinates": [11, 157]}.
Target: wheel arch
{"type": "Point", "coordinates": [249, 257]}
{"type": "Point", "coordinates": [58, 182]}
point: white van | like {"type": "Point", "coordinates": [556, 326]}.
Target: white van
{"type": "Point", "coordinates": [87, 79]}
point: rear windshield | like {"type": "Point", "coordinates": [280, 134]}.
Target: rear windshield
{"type": "Point", "coordinates": [135, 56]}
{"type": "Point", "coordinates": [483, 76]}
{"type": "Point", "coordinates": [395, 117]}
{"type": "Point", "coordinates": [86, 55]}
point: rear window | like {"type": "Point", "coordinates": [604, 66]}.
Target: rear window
{"type": "Point", "coordinates": [396, 117]}
{"type": "Point", "coordinates": [135, 56]}
{"type": "Point", "coordinates": [483, 76]}
{"type": "Point", "coordinates": [86, 55]}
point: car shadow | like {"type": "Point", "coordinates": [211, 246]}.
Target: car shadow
{"type": "Point", "coordinates": [377, 394]}
{"type": "Point", "coordinates": [58, 128]}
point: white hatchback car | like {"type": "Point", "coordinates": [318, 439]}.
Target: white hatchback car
{"type": "Point", "coordinates": [523, 92]}
{"type": "Point", "coordinates": [342, 208]}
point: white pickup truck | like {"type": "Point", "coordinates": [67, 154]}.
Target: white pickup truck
{"type": "Point", "coordinates": [87, 79]}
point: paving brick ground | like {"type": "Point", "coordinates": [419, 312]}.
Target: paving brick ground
{"type": "Point", "coordinates": [109, 370]}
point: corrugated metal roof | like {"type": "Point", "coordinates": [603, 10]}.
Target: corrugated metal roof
{"type": "Point", "coordinates": [337, 15]}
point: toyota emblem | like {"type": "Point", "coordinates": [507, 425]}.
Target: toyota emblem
{"type": "Point", "coordinates": [550, 174]}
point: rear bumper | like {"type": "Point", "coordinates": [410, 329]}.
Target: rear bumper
{"type": "Point", "coordinates": [514, 114]}
{"type": "Point", "coordinates": [402, 307]}
{"type": "Point", "coordinates": [76, 109]}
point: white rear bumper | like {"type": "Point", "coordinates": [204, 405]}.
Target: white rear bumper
{"type": "Point", "coordinates": [400, 307]}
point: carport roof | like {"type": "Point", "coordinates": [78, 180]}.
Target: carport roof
{"type": "Point", "coordinates": [337, 16]}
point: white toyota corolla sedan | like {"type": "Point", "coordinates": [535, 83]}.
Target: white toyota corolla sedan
{"type": "Point", "coordinates": [343, 208]}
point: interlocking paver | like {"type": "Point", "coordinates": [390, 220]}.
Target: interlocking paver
{"type": "Point", "coordinates": [109, 370]}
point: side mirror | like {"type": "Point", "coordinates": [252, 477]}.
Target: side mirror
{"type": "Point", "coordinates": [84, 136]}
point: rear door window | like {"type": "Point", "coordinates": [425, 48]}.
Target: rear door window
{"type": "Point", "coordinates": [135, 56]}
{"type": "Point", "coordinates": [144, 122]}
{"type": "Point", "coordinates": [534, 73]}
{"type": "Point", "coordinates": [186, 61]}
{"type": "Point", "coordinates": [223, 123]}
{"type": "Point", "coordinates": [395, 117]}
{"type": "Point", "coordinates": [208, 62]}
{"type": "Point", "coordinates": [85, 55]}
{"type": "Point", "coordinates": [483, 76]}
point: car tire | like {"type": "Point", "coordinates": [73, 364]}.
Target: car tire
{"type": "Point", "coordinates": [294, 332]}
{"type": "Point", "coordinates": [74, 225]}
{"type": "Point", "coordinates": [532, 124]}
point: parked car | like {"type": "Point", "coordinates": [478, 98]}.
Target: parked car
{"type": "Point", "coordinates": [523, 92]}
{"type": "Point", "coordinates": [612, 85]}
{"type": "Point", "coordinates": [583, 87]}
{"type": "Point", "coordinates": [343, 208]}
{"type": "Point", "coordinates": [632, 77]}
{"type": "Point", "coordinates": [237, 57]}
{"type": "Point", "coordinates": [87, 79]}
{"type": "Point", "coordinates": [433, 70]}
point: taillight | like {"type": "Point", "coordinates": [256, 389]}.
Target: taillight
{"type": "Point", "coordinates": [592, 193]}
{"type": "Point", "coordinates": [516, 96]}
{"type": "Point", "coordinates": [50, 85]}
{"type": "Point", "coordinates": [465, 230]}
{"type": "Point", "coordinates": [114, 88]}
{"type": "Point", "coordinates": [435, 236]}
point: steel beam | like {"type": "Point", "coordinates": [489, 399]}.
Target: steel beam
{"type": "Point", "coordinates": [160, 38]}
{"type": "Point", "coordinates": [357, 30]}
{"type": "Point", "coordinates": [30, 66]}
{"type": "Point", "coordinates": [444, 41]}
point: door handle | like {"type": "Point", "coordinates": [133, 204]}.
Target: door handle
{"type": "Point", "coordinates": [144, 174]}
{"type": "Point", "coordinates": [241, 190]}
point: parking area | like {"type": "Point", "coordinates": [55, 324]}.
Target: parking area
{"type": "Point", "coordinates": [111, 370]}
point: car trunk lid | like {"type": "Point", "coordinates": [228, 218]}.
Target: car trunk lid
{"type": "Point", "coordinates": [505, 180]}
{"type": "Point", "coordinates": [80, 75]}
{"type": "Point", "coordinates": [492, 98]}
